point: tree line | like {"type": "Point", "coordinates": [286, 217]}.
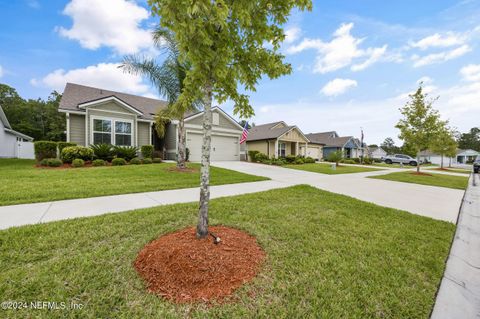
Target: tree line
{"type": "Point", "coordinates": [38, 118]}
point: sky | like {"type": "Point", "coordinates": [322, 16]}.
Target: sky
{"type": "Point", "coordinates": [354, 62]}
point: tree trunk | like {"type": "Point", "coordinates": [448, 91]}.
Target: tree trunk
{"type": "Point", "coordinates": [202, 226]}
{"type": "Point", "coordinates": [441, 162]}
{"type": "Point", "coordinates": [418, 164]}
{"type": "Point", "coordinates": [181, 148]}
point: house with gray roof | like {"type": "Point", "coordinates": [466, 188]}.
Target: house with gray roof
{"type": "Point", "coordinates": [96, 116]}
{"type": "Point", "coordinates": [348, 145]}
{"type": "Point", "coordinates": [278, 139]}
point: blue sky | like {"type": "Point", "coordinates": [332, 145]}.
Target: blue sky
{"type": "Point", "coordinates": [354, 61]}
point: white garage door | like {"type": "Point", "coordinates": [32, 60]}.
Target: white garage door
{"type": "Point", "coordinates": [224, 148]}
{"type": "Point", "coordinates": [313, 152]}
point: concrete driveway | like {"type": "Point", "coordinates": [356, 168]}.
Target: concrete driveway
{"type": "Point", "coordinates": [435, 202]}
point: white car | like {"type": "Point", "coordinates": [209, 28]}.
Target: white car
{"type": "Point", "coordinates": [400, 158]}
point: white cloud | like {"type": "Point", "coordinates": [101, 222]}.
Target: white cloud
{"type": "Point", "coordinates": [292, 34]}
{"type": "Point", "coordinates": [471, 72]}
{"type": "Point", "coordinates": [338, 86]}
{"type": "Point", "coordinates": [104, 75]}
{"type": "Point", "coordinates": [340, 52]}
{"type": "Point", "coordinates": [1, 71]}
{"type": "Point", "coordinates": [438, 40]}
{"type": "Point", "coordinates": [441, 56]}
{"type": "Point", "coordinates": [110, 23]}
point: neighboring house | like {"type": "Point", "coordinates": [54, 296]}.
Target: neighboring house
{"type": "Point", "coordinates": [462, 157]}
{"type": "Point", "coordinates": [13, 144]}
{"type": "Point", "coordinates": [279, 140]}
{"type": "Point", "coordinates": [332, 142]}
{"type": "Point", "coordinates": [97, 116]}
{"type": "Point", "coordinates": [376, 152]}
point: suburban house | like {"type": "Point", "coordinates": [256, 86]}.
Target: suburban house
{"type": "Point", "coordinates": [13, 144]}
{"type": "Point", "coordinates": [332, 142]}
{"type": "Point", "coordinates": [462, 157]}
{"type": "Point", "coordinates": [376, 152]}
{"type": "Point", "coordinates": [96, 116]}
{"type": "Point", "coordinates": [279, 140]}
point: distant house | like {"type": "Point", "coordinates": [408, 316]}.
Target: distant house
{"type": "Point", "coordinates": [462, 157]}
{"type": "Point", "coordinates": [376, 152]}
{"type": "Point", "coordinates": [13, 144]}
{"type": "Point", "coordinates": [348, 145]}
{"type": "Point", "coordinates": [279, 140]}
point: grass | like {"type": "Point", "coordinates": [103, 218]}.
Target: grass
{"type": "Point", "coordinates": [452, 170]}
{"type": "Point", "coordinates": [391, 165]}
{"type": "Point", "coordinates": [441, 180]}
{"type": "Point", "coordinates": [330, 256]}
{"type": "Point", "coordinates": [327, 168]}
{"type": "Point", "coordinates": [21, 182]}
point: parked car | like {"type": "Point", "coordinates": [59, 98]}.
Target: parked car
{"type": "Point", "coordinates": [400, 159]}
{"type": "Point", "coordinates": [476, 165]}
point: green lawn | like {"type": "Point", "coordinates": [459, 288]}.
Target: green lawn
{"type": "Point", "coordinates": [391, 165]}
{"type": "Point", "coordinates": [452, 170]}
{"type": "Point", "coordinates": [330, 256]}
{"type": "Point", "coordinates": [327, 168]}
{"type": "Point", "coordinates": [21, 182]}
{"type": "Point", "coordinates": [442, 180]}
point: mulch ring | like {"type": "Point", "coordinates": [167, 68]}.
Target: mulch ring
{"type": "Point", "coordinates": [421, 174]}
{"type": "Point", "coordinates": [182, 268]}
{"type": "Point", "coordinates": [183, 170]}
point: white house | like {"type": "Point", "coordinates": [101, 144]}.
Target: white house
{"type": "Point", "coordinates": [12, 143]}
{"type": "Point", "coordinates": [462, 157]}
{"type": "Point", "coordinates": [376, 152]}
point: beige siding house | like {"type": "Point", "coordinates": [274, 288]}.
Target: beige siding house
{"type": "Point", "coordinates": [96, 116]}
{"type": "Point", "coordinates": [279, 140]}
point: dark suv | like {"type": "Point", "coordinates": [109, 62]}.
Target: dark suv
{"type": "Point", "coordinates": [476, 164]}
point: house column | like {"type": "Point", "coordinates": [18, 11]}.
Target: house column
{"type": "Point", "coordinates": [276, 149]}
{"type": "Point", "coordinates": [67, 116]}
{"type": "Point", "coordinates": [297, 149]}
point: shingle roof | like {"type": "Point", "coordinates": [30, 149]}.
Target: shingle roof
{"type": "Point", "coordinates": [326, 139]}
{"type": "Point", "coordinates": [76, 94]}
{"type": "Point", "coordinates": [265, 131]}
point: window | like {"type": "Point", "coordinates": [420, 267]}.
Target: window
{"type": "Point", "coordinates": [123, 133]}
{"type": "Point", "coordinates": [102, 131]}
{"type": "Point", "coordinates": [282, 149]}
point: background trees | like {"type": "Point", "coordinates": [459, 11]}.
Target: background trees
{"type": "Point", "coordinates": [38, 118]}
{"type": "Point", "coordinates": [470, 140]}
{"type": "Point", "coordinates": [444, 143]}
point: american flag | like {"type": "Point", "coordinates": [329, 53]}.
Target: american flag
{"type": "Point", "coordinates": [244, 133]}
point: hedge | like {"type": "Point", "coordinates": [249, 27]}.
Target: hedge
{"type": "Point", "coordinates": [147, 151]}
{"type": "Point", "coordinates": [62, 145]}
{"type": "Point", "coordinates": [45, 149]}
{"type": "Point", "coordinates": [73, 152]}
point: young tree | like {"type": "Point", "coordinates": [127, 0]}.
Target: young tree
{"type": "Point", "coordinates": [227, 42]}
{"type": "Point", "coordinates": [444, 143]}
{"type": "Point", "coordinates": [388, 145]}
{"type": "Point", "coordinates": [420, 123]}
{"type": "Point", "coordinates": [168, 79]}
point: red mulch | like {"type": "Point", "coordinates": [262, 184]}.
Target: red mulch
{"type": "Point", "coordinates": [182, 268]}
{"type": "Point", "coordinates": [183, 170]}
{"type": "Point", "coordinates": [421, 174]}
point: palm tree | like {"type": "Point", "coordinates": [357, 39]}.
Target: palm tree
{"type": "Point", "coordinates": [168, 79]}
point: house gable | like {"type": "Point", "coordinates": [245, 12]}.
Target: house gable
{"type": "Point", "coordinates": [111, 104]}
{"type": "Point", "coordinates": [293, 135]}
{"type": "Point", "coordinates": [224, 120]}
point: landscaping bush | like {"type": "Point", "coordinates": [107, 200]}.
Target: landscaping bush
{"type": "Point", "coordinates": [252, 155]}
{"type": "Point", "coordinates": [62, 145]}
{"type": "Point", "coordinates": [44, 162]}
{"type": "Point", "coordinates": [335, 157]}
{"type": "Point", "coordinates": [103, 151]}
{"type": "Point", "coordinates": [266, 161]}
{"type": "Point", "coordinates": [54, 162]}
{"type": "Point", "coordinates": [290, 159]}
{"type": "Point", "coordinates": [78, 162]}
{"type": "Point", "coordinates": [377, 160]}
{"type": "Point", "coordinates": [45, 149]}
{"type": "Point", "coordinates": [158, 154]}
{"type": "Point", "coordinates": [367, 161]}
{"type": "Point", "coordinates": [135, 161]}
{"type": "Point", "coordinates": [157, 160]}
{"type": "Point", "coordinates": [71, 153]}
{"type": "Point", "coordinates": [147, 151]}
{"type": "Point", "coordinates": [147, 161]}
{"type": "Point", "coordinates": [299, 160]}
{"type": "Point", "coordinates": [125, 152]}
{"type": "Point", "coordinates": [309, 160]}
{"type": "Point", "coordinates": [356, 160]}
{"type": "Point", "coordinates": [278, 162]}
{"type": "Point", "coordinates": [118, 161]}
{"type": "Point", "coordinates": [260, 157]}
{"type": "Point", "coordinates": [348, 161]}
{"type": "Point", "coordinates": [98, 162]}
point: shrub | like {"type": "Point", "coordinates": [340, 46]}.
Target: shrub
{"type": "Point", "coordinates": [356, 160]}
{"type": "Point", "coordinates": [103, 151]}
{"type": "Point", "coordinates": [377, 160]}
{"type": "Point", "coordinates": [157, 160]}
{"type": "Point", "coordinates": [62, 145]}
{"type": "Point", "coordinates": [278, 162]}
{"type": "Point", "coordinates": [71, 153]}
{"type": "Point", "coordinates": [44, 162]}
{"type": "Point", "coordinates": [45, 149]}
{"type": "Point", "coordinates": [135, 161]}
{"type": "Point", "coordinates": [158, 154]}
{"type": "Point", "coordinates": [299, 160]}
{"type": "Point", "coordinates": [252, 155]}
{"type": "Point", "coordinates": [147, 151]}
{"type": "Point", "coordinates": [78, 162]}
{"type": "Point", "coordinates": [54, 162]}
{"type": "Point", "coordinates": [367, 160]}
{"type": "Point", "coordinates": [260, 157]}
{"type": "Point", "coordinates": [290, 159]}
{"type": "Point", "coordinates": [335, 157]}
{"type": "Point", "coordinates": [348, 161]}
{"type": "Point", "coordinates": [118, 161]}
{"type": "Point", "coordinates": [125, 152]}
{"type": "Point", "coordinates": [98, 162]}
{"type": "Point", "coordinates": [147, 161]}
{"type": "Point", "coordinates": [266, 161]}
{"type": "Point", "coordinates": [309, 160]}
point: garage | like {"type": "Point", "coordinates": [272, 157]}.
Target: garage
{"type": "Point", "coordinates": [313, 152]}
{"type": "Point", "coordinates": [223, 148]}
